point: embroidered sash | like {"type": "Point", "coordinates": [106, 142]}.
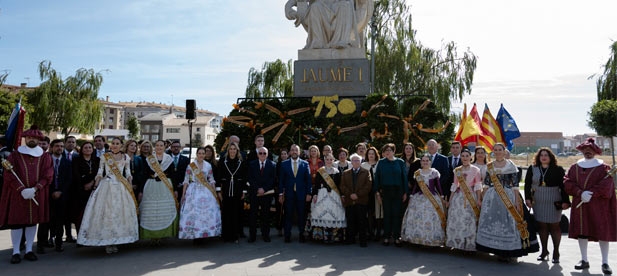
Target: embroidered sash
{"type": "Point", "coordinates": [203, 181]}
{"type": "Point", "coordinates": [154, 164]}
{"type": "Point", "coordinates": [521, 224]}
{"type": "Point", "coordinates": [463, 185]}
{"type": "Point", "coordinates": [329, 181]}
{"type": "Point", "coordinates": [431, 198]}
{"type": "Point", "coordinates": [114, 169]}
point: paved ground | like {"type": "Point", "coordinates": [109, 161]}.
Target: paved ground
{"type": "Point", "coordinates": [179, 257]}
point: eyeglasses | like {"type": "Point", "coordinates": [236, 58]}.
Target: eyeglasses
{"type": "Point", "coordinates": [262, 153]}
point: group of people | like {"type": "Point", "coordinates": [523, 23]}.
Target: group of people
{"type": "Point", "coordinates": [463, 201]}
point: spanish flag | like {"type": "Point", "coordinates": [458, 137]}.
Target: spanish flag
{"type": "Point", "coordinates": [472, 127]}
{"type": "Point", "coordinates": [490, 130]}
{"type": "Point", "coordinates": [462, 125]}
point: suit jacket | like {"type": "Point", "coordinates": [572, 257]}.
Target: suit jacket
{"type": "Point", "coordinates": [62, 178]}
{"type": "Point", "coordinates": [264, 180]}
{"type": "Point", "coordinates": [451, 171]}
{"type": "Point", "coordinates": [362, 189]}
{"type": "Point", "coordinates": [73, 154]}
{"type": "Point", "coordinates": [302, 180]}
{"type": "Point", "coordinates": [179, 171]}
{"type": "Point", "coordinates": [440, 163]}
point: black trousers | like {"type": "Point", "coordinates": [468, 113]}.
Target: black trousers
{"type": "Point", "coordinates": [357, 222]}
{"type": "Point", "coordinates": [260, 206]}
{"type": "Point", "coordinates": [231, 217]}
{"type": "Point", "coordinates": [57, 218]}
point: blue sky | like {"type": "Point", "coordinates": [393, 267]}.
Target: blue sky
{"type": "Point", "coordinates": [534, 56]}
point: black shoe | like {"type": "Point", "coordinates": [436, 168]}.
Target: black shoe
{"type": "Point", "coordinates": [70, 239]}
{"type": "Point", "coordinates": [15, 259]}
{"type": "Point", "coordinates": [50, 243]}
{"type": "Point", "coordinates": [252, 239]}
{"type": "Point", "coordinates": [581, 265]}
{"type": "Point", "coordinates": [543, 257]}
{"type": "Point", "coordinates": [606, 269]}
{"type": "Point", "coordinates": [59, 248]}
{"type": "Point", "coordinates": [287, 239]}
{"type": "Point", "coordinates": [30, 256]}
{"type": "Point", "coordinates": [267, 239]}
{"type": "Point", "coordinates": [40, 250]}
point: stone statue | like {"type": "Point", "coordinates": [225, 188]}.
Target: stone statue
{"type": "Point", "coordinates": [331, 24]}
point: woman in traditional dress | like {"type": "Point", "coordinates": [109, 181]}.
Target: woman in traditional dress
{"type": "Point", "coordinates": [232, 180]}
{"type": "Point", "coordinates": [545, 193]}
{"type": "Point", "coordinates": [200, 216]}
{"type": "Point", "coordinates": [159, 206]}
{"type": "Point", "coordinates": [390, 185]}
{"type": "Point", "coordinates": [211, 158]}
{"type": "Point", "coordinates": [480, 159]}
{"type": "Point", "coordinates": [464, 205]}
{"type": "Point", "coordinates": [137, 165]}
{"type": "Point", "coordinates": [375, 208]}
{"type": "Point", "coordinates": [497, 227]}
{"type": "Point", "coordinates": [327, 218]}
{"type": "Point", "coordinates": [85, 168]}
{"type": "Point", "coordinates": [342, 164]}
{"type": "Point", "coordinates": [110, 217]}
{"type": "Point", "coordinates": [424, 222]}
{"type": "Point", "coordinates": [315, 162]}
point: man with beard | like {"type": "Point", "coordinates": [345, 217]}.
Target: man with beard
{"type": "Point", "coordinates": [99, 145]}
{"type": "Point", "coordinates": [59, 194]}
{"type": "Point", "coordinates": [18, 204]}
{"type": "Point", "coordinates": [44, 143]}
{"type": "Point", "coordinates": [180, 164]}
{"type": "Point", "coordinates": [294, 189]}
{"type": "Point", "coordinates": [594, 206]}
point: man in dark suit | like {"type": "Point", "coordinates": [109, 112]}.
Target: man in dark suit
{"type": "Point", "coordinates": [59, 195]}
{"type": "Point", "coordinates": [69, 152]}
{"type": "Point", "coordinates": [180, 164]}
{"type": "Point", "coordinates": [294, 190]}
{"type": "Point", "coordinates": [355, 188]}
{"type": "Point", "coordinates": [454, 160]}
{"type": "Point", "coordinates": [99, 146]}
{"type": "Point", "coordinates": [262, 175]}
{"type": "Point", "coordinates": [440, 163]}
{"type": "Point", "coordinates": [259, 143]}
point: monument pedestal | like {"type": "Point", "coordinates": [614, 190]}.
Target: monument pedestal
{"type": "Point", "coordinates": [319, 54]}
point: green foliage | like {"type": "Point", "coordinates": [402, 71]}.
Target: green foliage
{"type": "Point", "coordinates": [603, 116]}
{"type": "Point", "coordinates": [404, 66]}
{"type": "Point", "coordinates": [133, 126]}
{"type": "Point", "coordinates": [66, 105]}
{"type": "Point", "coordinates": [607, 82]}
{"type": "Point", "coordinates": [3, 77]}
{"type": "Point", "coordinates": [8, 101]}
{"type": "Point", "coordinates": [274, 80]}
{"type": "Point", "coordinates": [305, 129]}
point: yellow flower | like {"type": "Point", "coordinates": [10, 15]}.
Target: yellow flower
{"type": "Point", "coordinates": [346, 106]}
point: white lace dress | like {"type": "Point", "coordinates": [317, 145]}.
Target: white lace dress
{"type": "Point", "coordinates": [462, 222]}
{"type": "Point", "coordinates": [110, 216]}
{"type": "Point", "coordinates": [200, 216]}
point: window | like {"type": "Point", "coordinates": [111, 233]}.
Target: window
{"type": "Point", "coordinates": [154, 128]}
{"type": "Point", "coordinates": [198, 129]}
{"type": "Point", "coordinates": [172, 130]}
{"type": "Point", "coordinates": [155, 137]}
{"type": "Point", "coordinates": [146, 128]}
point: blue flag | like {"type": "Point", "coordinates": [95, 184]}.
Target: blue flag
{"type": "Point", "coordinates": [508, 127]}
{"type": "Point", "coordinates": [15, 128]}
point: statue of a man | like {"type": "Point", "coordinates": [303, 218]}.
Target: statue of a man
{"type": "Point", "coordinates": [331, 23]}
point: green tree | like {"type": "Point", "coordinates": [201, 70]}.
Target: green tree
{"type": "Point", "coordinates": [404, 66]}
{"type": "Point", "coordinates": [66, 105]}
{"type": "Point", "coordinates": [7, 105]}
{"type": "Point", "coordinates": [606, 85]}
{"type": "Point", "coordinates": [3, 77]}
{"type": "Point", "coordinates": [133, 126]}
{"type": "Point", "coordinates": [275, 79]}
{"type": "Point", "coordinates": [603, 116]}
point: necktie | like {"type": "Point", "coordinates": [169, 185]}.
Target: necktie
{"type": "Point", "coordinates": [432, 157]}
{"type": "Point", "coordinates": [175, 161]}
{"type": "Point", "coordinates": [295, 168]}
{"type": "Point", "coordinates": [454, 161]}
{"type": "Point", "coordinates": [69, 155]}
{"type": "Point", "coordinates": [56, 165]}
{"type": "Point", "coordinates": [261, 169]}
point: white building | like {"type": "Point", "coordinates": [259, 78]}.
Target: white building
{"type": "Point", "coordinates": [168, 126]}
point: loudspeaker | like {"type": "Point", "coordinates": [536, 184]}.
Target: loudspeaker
{"type": "Point", "coordinates": [190, 109]}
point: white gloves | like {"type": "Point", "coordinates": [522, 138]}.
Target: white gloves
{"type": "Point", "coordinates": [28, 193]}
{"type": "Point", "coordinates": [586, 196]}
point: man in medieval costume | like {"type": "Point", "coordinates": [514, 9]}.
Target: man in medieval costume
{"type": "Point", "coordinates": [594, 206]}
{"type": "Point", "coordinates": [24, 202]}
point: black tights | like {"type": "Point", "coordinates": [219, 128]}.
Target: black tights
{"type": "Point", "coordinates": [555, 231]}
